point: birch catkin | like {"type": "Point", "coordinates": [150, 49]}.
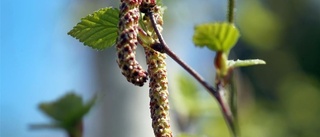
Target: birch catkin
{"type": "Point", "coordinates": [158, 93]}
{"type": "Point", "coordinates": [127, 42]}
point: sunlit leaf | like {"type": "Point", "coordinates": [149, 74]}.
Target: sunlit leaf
{"type": "Point", "coordinates": [216, 36]}
{"type": "Point", "coordinates": [244, 63]}
{"type": "Point", "coordinates": [98, 30]}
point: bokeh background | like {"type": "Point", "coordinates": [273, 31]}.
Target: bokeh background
{"type": "Point", "coordinates": [40, 62]}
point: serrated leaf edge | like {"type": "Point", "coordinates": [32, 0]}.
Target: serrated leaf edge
{"type": "Point", "coordinates": [92, 40]}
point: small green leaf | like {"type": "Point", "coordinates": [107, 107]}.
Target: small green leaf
{"type": "Point", "coordinates": [98, 30]}
{"type": "Point", "coordinates": [244, 63]}
{"type": "Point", "coordinates": [67, 110]}
{"type": "Point", "coordinates": [216, 36]}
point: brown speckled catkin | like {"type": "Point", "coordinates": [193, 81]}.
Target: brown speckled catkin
{"type": "Point", "coordinates": [127, 42]}
{"type": "Point", "coordinates": [158, 93]}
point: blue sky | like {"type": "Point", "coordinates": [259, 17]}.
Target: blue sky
{"type": "Point", "coordinates": [38, 63]}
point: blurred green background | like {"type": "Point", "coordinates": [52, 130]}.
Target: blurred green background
{"type": "Point", "coordinates": [286, 91]}
{"type": "Point", "coordinates": [282, 98]}
{"type": "Point", "coordinates": [39, 62]}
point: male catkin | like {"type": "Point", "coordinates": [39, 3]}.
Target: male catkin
{"type": "Point", "coordinates": [127, 42]}
{"type": "Point", "coordinates": [158, 93]}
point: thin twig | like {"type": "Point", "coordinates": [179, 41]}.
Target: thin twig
{"type": "Point", "coordinates": [170, 53]}
{"type": "Point", "coordinates": [231, 7]}
{"type": "Point", "coordinates": [190, 70]}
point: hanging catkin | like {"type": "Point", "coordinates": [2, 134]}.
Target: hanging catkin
{"type": "Point", "coordinates": [158, 93]}
{"type": "Point", "coordinates": [127, 42]}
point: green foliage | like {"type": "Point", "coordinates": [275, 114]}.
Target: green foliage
{"type": "Point", "coordinates": [299, 93]}
{"type": "Point", "coordinates": [187, 97]}
{"type": "Point", "coordinates": [261, 27]}
{"type": "Point", "coordinates": [197, 110]}
{"type": "Point", "coordinates": [216, 36]}
{"type": "Point", "coordinates": [68, 110]}
{"type": "Point", "coordinates": [245, 63]}
{"type": "Point", "coordinates": [98, 30]}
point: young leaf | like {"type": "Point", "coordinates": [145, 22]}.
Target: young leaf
{"type": "Point", "coordinates": [244, 63]}
{"type": "Point", "coordinates": [67, 110]}
{"type": "Point", "coordinates": [98, 30]}
{"type": "Point", "coordinates": [216, 36]}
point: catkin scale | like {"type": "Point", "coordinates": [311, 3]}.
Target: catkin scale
{"type": "Point", "coordinates": [127, 42]}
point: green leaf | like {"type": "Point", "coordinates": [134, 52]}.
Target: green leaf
{"type": "Point", "coordinates": [98, 30]}
{"type": "Point", "coordinates": [216, 36]}
{"type": "Point", "coordinates": [67, 110]}
{"type": "Point", "coordinates": [244, 63]}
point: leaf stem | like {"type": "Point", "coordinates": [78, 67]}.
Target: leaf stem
{"type": "Point", "coordinates": [231, 8]}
